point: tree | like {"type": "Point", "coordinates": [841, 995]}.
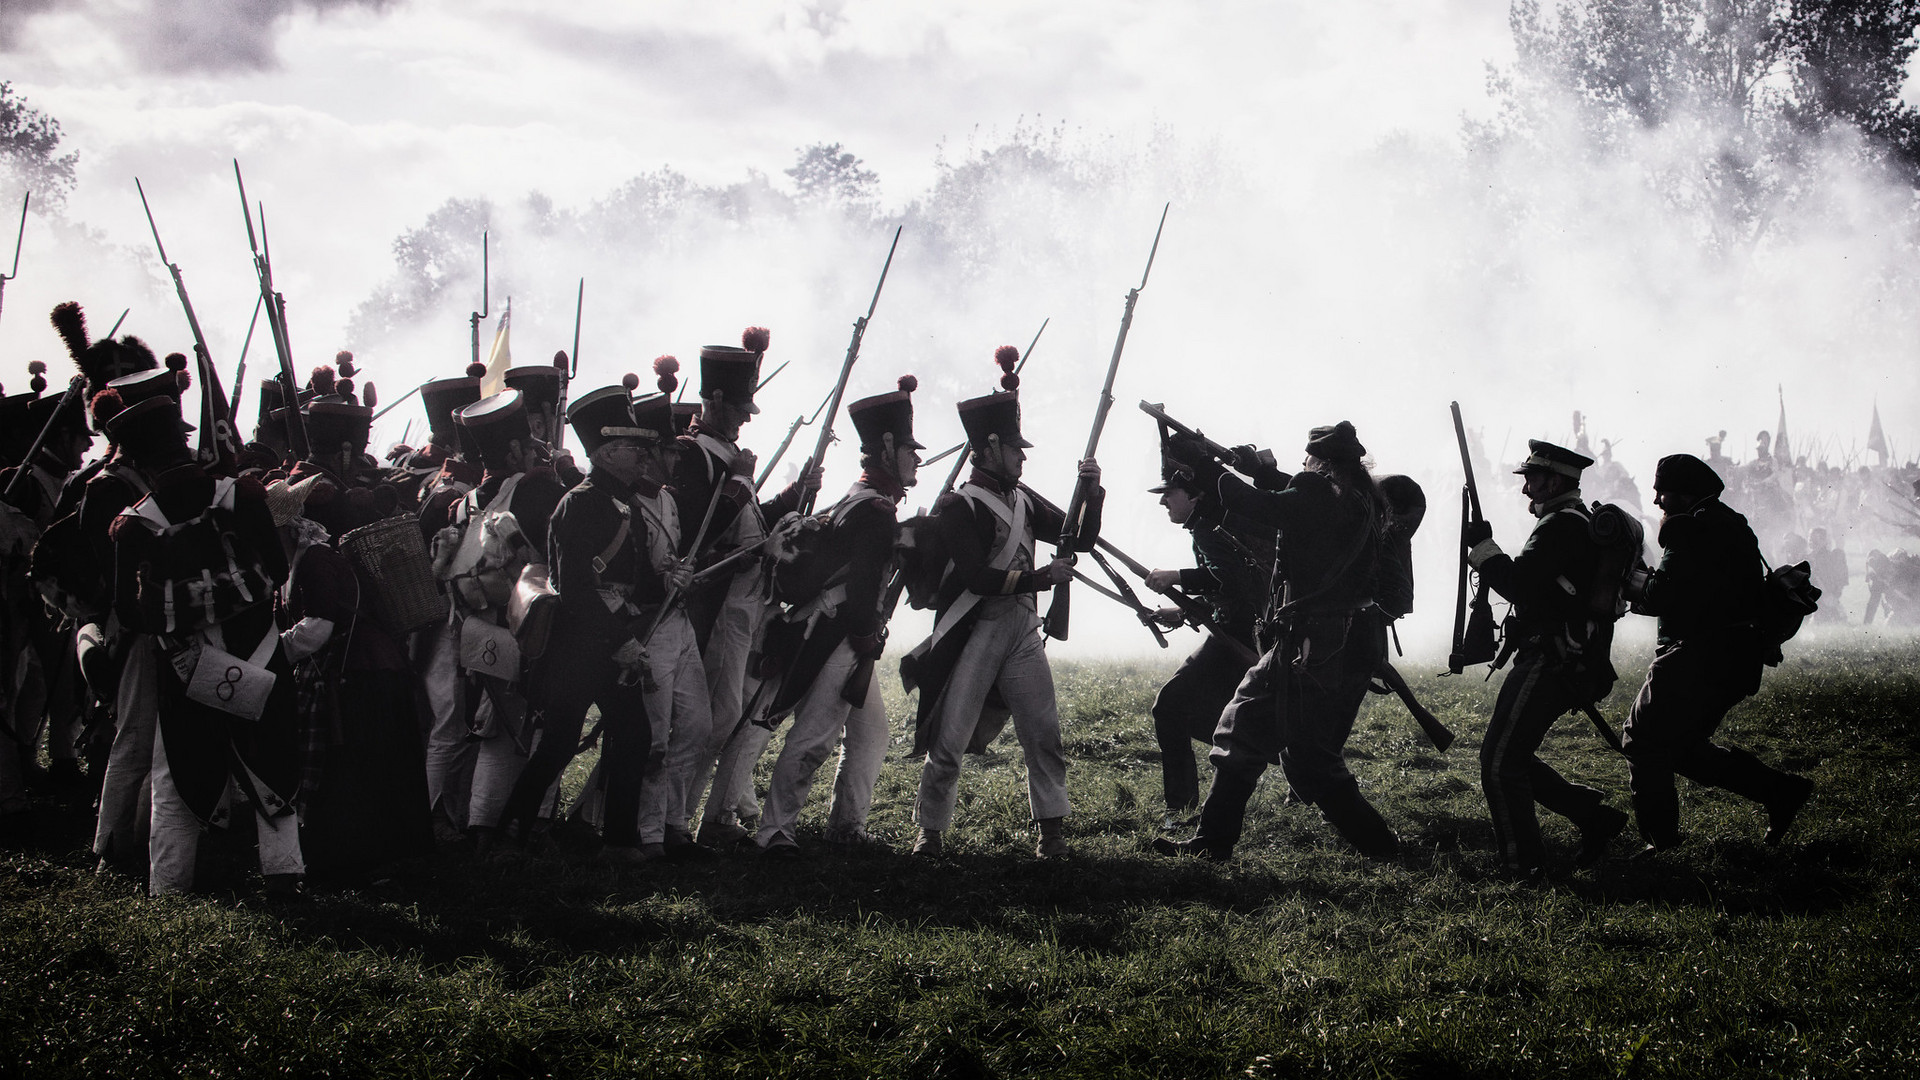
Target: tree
{"type": "Point", "coordinates": [30, 149]}
{"type": "Point", "coordinates": [827, 174]}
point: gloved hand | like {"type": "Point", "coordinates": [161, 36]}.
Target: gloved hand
{"type": "Point", "coordinates": [1476, 532]}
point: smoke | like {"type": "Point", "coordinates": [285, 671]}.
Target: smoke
{"type": "Point", "coordinates": [178, 36]}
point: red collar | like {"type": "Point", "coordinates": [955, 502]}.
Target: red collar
{"type": "Point", "coordinates": [989, 481]}
{"type": "Point", "coordinates": [885, 485]}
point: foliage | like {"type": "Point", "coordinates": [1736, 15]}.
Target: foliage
{"type": "Point", "coordinates": [30, 150]}
{"type": "Point", "coordinates": [1725, 959]}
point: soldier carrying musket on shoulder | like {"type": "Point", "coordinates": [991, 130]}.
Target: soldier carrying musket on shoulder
{"type": "Point", "coordinates": [986, 629]}
{"type": "Point", "coordinates": [1296, 706]}
{"type": "Point", "coordinates": [847, 625]}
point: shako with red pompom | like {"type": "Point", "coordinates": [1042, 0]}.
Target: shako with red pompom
{"type": "Point", "coordinates": [885, 414]}
{"type": "Point", "coordinates": [998, 413]}
{"type": "Point", "coordinates": [666, 368]}
{"type": "Point", "coordinates": [731, 374]}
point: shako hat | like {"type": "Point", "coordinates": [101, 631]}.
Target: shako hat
{"type": "Point", "coordinates": [997, 413]}
{"type": "Point", "coordinates": [1173, 472]}
{"type": "Point", "coordinates": [1554, 459]}
{"type": "Point", "coordinates": [492, 423]}
{"type": "Point", "coordinates": [146, 428]}
{"type": "Point", "coordinates": [442, 398]}
{"type": "Point", "coordinates": [605, 415]}
{"type": "Point", "coordinates": [539, 383]}
{"type": "Point", "coordinates": [142, 385]}
{"type": "Point", "coordinates": [733, 374]}
{"type": "Point", "coordinates": [337, 426]}
{"type": "Point", "coordinates": [874, 417]}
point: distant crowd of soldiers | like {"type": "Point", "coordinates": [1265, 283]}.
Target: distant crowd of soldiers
{"type": "Point", "coordinates": [359, 660]}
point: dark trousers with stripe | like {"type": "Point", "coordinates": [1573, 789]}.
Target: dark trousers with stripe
{"type": "Point", "coordinates": [1688, 691]}
{"type": "Point", "coordinates": [1187, 710]}
{"type": "Point", "coordinates": [1536, 693]}
{"type": "Point", "coordinates": [577, 672]}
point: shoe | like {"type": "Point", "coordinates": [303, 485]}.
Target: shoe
{"type": "Point", "coordinates": [720, 834]}
{"type": "Point", "coordinates": [1177, 820]}
{"type": "Point", "coordinates": [1053, 840]}
{"type": "Point", "coordinates": [927, 844]}
{"type": "Point", "coordinates": [1193, 846]}
{"type": "Point", "coordinates": [782, 850]}
{"type": "Point", "coordinates": [1597, 835]}
{"type": "Point", "coordinates": [282, 887]}
{"type": "Point", "coordinates": [681, 848]}
{"type": "Point", "coordinates": [623, 857]}
{"type": "Point", "coordinates": [1782, 810]}
{"type": "Point", "coordinates": [856, 840]}
{"type": "Point", "coordinates": [652, 852]}
{"type": "Point", "coordinates": [1655, 849]}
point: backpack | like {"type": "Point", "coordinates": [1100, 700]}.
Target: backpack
{"type": "Point", "coordinates": [1622, 542]}
{"type": "Point", "coordinates": [200, 571]}
{"type": "Point", "coordinates": [1788, 595]}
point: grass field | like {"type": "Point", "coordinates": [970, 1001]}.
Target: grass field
{"type": "Point", "coordinates": [1298, 958]}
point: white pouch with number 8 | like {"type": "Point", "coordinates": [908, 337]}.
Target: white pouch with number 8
{"type": "Point", "coordinates": [489, 649]}
{"type": "Point", "coordinates": [238, 687]}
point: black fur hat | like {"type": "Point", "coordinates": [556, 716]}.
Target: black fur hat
{"type": "Point", "coordinates": [100, 361]}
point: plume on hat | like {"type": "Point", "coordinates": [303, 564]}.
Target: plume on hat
{"type": "Point", "coordinates": [630, 381]}
{"type": "Point", "coordinates": [1007, 356]}
{"type": "Point", "coordinates": [321, 382]}
{"type": "Point", "coordinates": [756, 338]}
{"type": "Point", "coordinates": [665, 367]}
{"type": "Point", "coordinates": [908, 384]}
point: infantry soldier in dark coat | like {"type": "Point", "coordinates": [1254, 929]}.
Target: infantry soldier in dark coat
{"type": "Point", "coordinates": [1707, 595]}
{"type": "Point", "coordinates": [1297, 705]}
{"type": "Point", "coordinates": [1561, 663]}
{"type": "Point", "coordinates": [605, 557]}
{"type": "Point", "coordinates": [986, 631]}
{"type": "Point", "coordinates": [1231, 572]}
{"type": "Point", "coordinates": [846, 631]}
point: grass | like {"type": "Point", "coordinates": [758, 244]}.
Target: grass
{"type": "Point", "coordinates": [1298, 958]}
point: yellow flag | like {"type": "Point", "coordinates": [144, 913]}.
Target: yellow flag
{"type": "Point", "coordinates": [500, 359]}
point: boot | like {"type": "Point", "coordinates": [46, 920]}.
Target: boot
{"type": "Point", "coordinates": [1053, 839]}
{"type": "Point", "coordinates": [1357, 822]}
{"type": "Point", "coordinates": [1784, 807]}
{"type": "Point", "coordinates": [927, 844]}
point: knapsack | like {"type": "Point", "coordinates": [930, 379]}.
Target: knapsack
{"type": "Point", "coordinates": [1787, 596]}
{"type": "Point", "coordinates": [200, 571]}
{"type": "Point", "coordinates": [1621, 540]}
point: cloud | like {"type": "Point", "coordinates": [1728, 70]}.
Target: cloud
{"type": "Point", "coordinates": [177, 36]}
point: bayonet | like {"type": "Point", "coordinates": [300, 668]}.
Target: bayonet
{"type": "Point", "coordinates": [808, 496]}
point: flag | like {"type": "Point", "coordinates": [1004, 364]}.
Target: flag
{"type": "Point", "coordinates": [1877, 438]}
{"type": "Point", "coordinates": [500, 359]}
{"type": "Point", "coordinates": [1782, 452]}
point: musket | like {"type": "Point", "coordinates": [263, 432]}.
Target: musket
{"type": "Point", "coordinates": [17, 239]}
{"type": "Point", "coordinates": [808, 495]}
{"type": "Point", "coordinates": [1221, 454]}
{"type": "Point", "coordinates": [486, 299]}
{"type": "Point", "coordinates": [240, 369]}
{"type": "Point", "coordinates": [1127, 597]}
{"type": "Point", "coordinates": [216, 422]}
{"type": "Point", "coordinates": [1436, 731]}
{"type": "Point", "coordinates": [116, 323]}
{"type": "Point", "coordinates": [276, 323]}
{"type": "Point", "coordinates": [74, 394]}
{"type": "Point", "coordinates": [1074, 523]}
{"type": "Point", "coordinates": [781, 450]}
{"type": "Point", "coordinates": [559, 432]}
{"type": "Point", "coordinates": [395, 403]}
{"type": "Point", "coordinates": [1473, 630]}
{"type": "Point", "coordinates": [762, 384]}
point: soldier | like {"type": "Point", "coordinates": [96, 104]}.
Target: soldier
{"type": "Point", "coordinates": [1828, 562]}
{"type": "Point", "coordinates": [611, 561]}
{"type": "Point", "coordinates": [1707, 595]}
{"type": "Point", "coordinates": [715, 471]}
{"type": "Point", "coordinates": [1561, 663]}
{"type": "Point", "coordinates": [1231, 573]}
{"type": "Point", "coordinates": [846, 633]}
{"type": "Point", "coordinates": [494, 532]}
{"type": "Point", "coordinates": [226, 696]}
{"type": "Point", "coordinates": [542, 386]}
{"type": "Point", "coordinates": [985, 629]}
{"type": "Point", "coordinates": [1297, 704]}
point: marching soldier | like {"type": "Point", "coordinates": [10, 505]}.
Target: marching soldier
{"type": "Point", "coordinates": [611, 561]}
{"type": "Point", "coordinates": [496, 530]}
{"type": "Point", "coordinates": [847, 631]}
{"type": "Point", "coordinates": [1561, 664]}
{"type": "Point", "coordinates": [1707, 596]}
{"type": "Point", "coordinates": [1226, 575]}
{"type": "Point", "coordinates": [1297, 704]}
{"type": "Point", "coordinates": [985, 636]}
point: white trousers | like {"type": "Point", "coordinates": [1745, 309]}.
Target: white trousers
{"type": "Point", "coordinates": [450, 756]}
{"type": "Point", "coordinates": [734, 633]}
{"type": "Point", "coordinates": [125, 791]}
{"type": "Point", "coordinates": [174, 841]}
{"type": "Point", "coordinates": [681, 718]}
{"type": "Point", "coordinates": [817, 724]}
{"type": "Point", "coordinates": [1004, 650]}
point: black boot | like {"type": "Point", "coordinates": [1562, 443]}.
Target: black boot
{"type": "Point", "coordinates": [1355, 819]}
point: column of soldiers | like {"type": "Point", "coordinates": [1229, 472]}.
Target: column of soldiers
{"type": "Point", "coordinates": [218, 618]}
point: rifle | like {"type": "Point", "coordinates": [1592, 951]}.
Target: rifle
{"type": "Point", "coordinates": [1194, 610]}
{"type": "Point", "coordinates": [17, 238]}
{"type": "Point", "coordinates": [75, 392]}
{"type": "Point", "coordinates": [1214, 450]}
{"type": "Point", "coordinates": [1074, 522]}
{"type": "Point", "coordinates": [559, 432]}
{"type": "Point", "coordinates": [1429, 723]}
{"type": "Point", "coordinates": [798, 422]}
{"type": "Point", "coordinates": [1123, 594]}
{"type": "Point", "coordinates": [1473, 629]}
{"type": "Point", "coordinates": [486, 299]}
{"type": "Point", "coordinates": [276, 305]}
{"type": "Point", "coordinates": [240, 369]}
{"type": "Point", "coordinates": [808, 495]}
{"type": "Point", "coordinates": [216, 422]}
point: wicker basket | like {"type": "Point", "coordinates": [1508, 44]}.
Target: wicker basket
{"type": "Point", "coordinates": [392, 558]}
